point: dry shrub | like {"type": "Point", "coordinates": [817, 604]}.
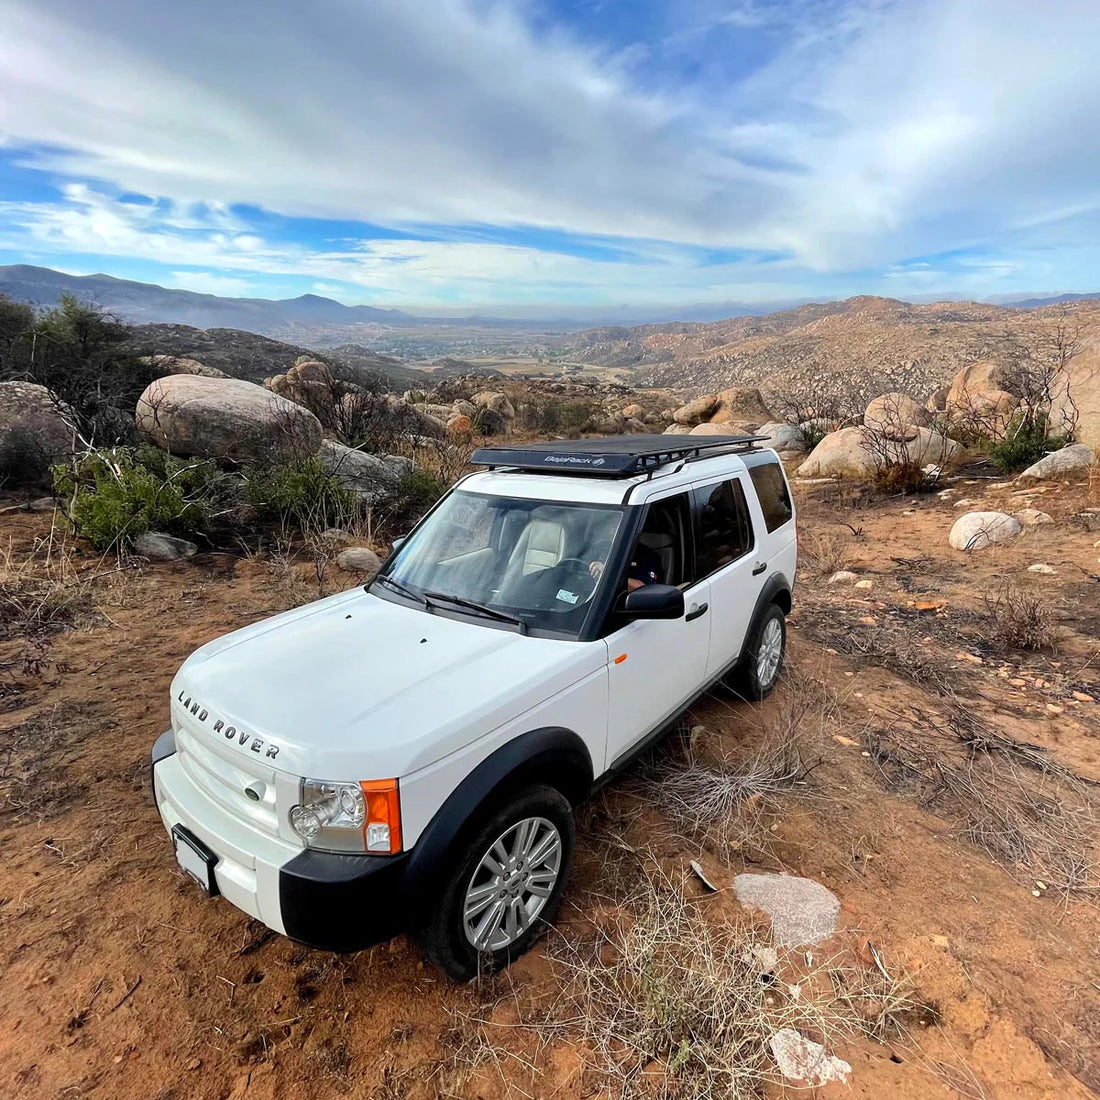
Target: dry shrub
{"type": "Point", "coordinates": [726, 798]}
{"type": "Point", "coordinates": [824, 552]}
{"type": "Point", "coordinates": [670, 1003]}
{"type": "Point", "coordinates": [1017, 619]}
{"type": "Point", "coordinates": [41, 593]}
{"type": "Point", "coordinates": [1009, 798]}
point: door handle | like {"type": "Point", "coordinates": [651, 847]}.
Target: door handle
{"type": "Point", "coordinates": [697, 612]}
{"type": "Point", "coordinates": [759, 568]}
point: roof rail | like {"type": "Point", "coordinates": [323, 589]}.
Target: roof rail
{"type": "Point", "coordinates": [616, 457]}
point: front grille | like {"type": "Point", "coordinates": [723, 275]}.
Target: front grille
{"type": "Point", "coordinates": [223, 780]}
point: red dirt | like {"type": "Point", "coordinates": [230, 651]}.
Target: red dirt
{"type": "Point", "coordinates": [121, 980]}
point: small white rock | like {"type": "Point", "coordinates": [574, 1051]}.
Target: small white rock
{"type": "Point", "coordinates": [1032, 517]}
{"type": "Point", "coordinates": [844, 576]}
{"type": "Point", "coordinates": [865, 584]}
{"type": "Point", "coordinates": [1042, 567]}
{"type": "Point", "coordinates": [801, 1059]}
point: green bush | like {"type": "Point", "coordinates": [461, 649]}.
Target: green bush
{"type": "Point", "coordinates": [418, 491]}
{"type": "Point", "coordinates": [113, 496]}
{"type": "Point", "coordinates": [302, 493]}
{"type": "Point", "coordinates": [1025, 442]}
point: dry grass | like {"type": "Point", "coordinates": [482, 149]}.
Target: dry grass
{"type": "Point", "coordinates": [727, 797]}
{"type": "Point", "coordinates": [670, 1003]}
{"type": "Point", "coordinates": [42, 592]}
{"type": "Point", "coordinates": [1014, 618]}
{"type": "Point", "coordinates": [1008, 797]}
{"type": "Point", "coordinates": [824, 552]}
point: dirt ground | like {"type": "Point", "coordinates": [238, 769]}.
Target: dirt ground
{"type": "Point", "coordinates": [120, 980]}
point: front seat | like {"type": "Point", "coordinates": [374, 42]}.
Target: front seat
{"type": "Point", "coordinates": [661, 545]}
{"type": "Point", "coordinates": [540, 545]}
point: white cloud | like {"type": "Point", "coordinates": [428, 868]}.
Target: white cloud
{"type": "Point", "coordinates": [882, 131]}
{"type": "Point", "coordinates": [207, 282]}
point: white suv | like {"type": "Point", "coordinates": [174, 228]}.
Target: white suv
{"type": "Point", "coordinates": [407, 756]}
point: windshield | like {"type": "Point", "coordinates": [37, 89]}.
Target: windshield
{"type": "Point", "coordinates": [539, 561]}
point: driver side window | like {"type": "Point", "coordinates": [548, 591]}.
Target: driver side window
{"type": "Point", "coordinates": [662, 552]}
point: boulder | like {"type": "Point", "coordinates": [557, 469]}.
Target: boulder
{"type": "Point", "coordinates": [359, 559]}
{"type": "Point", "coordinates": [495, 402]}
{"type": "Point", "coordinates": [386, 413]}
{"type": "Point", "coordinates": [977, 530]}
{"type": "Point", "coordinates": [894, 411]}
{"type": "Point", "coordinates": [442, 413]}
{"type": "Point", "coordinates": [1032, 517]}
{"type": "Point", "coordinates": [634, 427]}
{"type": "Point", "coordinates": [678, 429]}
{"type": "Point", "coordinates": [31, 419]}
{"type": "Point", "coordinates": [634, 412]}
{"type": "Point", "coordinates": [695, 412]}
{"type": "Point", "coordinates": [783, 437]}
{"type": "Point", "coordinates": [225, 418]}
{"type": "Point", "coordinates": [742, 405]}
{"type": "Point", "coordinates": [460, 425]}
{"type": "Point", "coordinates": [309, 371]}
{"type": "Point", "coordinates": [1076, 401]}
{"type": "Point", "coordinates": [278, 384]}
{"type": "Point", "coordinates": [173, 364]}
{"type": "Point", "coordinates": [1072, 461]}
{"type": "Point", "coordinates": [373, 478]}
{"type": "Point", "coordinates": [464, 408]}
{"type": "Point", "coordinates": [938, 401]}
{"type": "Point", "coordinates": [713, 427]}
{"type": "Point", "coordinates": [160, 547]}
{"type": "Point", "coordinates": [984, 377]}
{"type": "Point", "coordinates": [849, 453]}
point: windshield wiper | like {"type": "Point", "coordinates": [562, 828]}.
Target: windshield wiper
{"type": "Point", "coordinates": [397, 586]}
{"type": "Point", "coordinates": [480, 608]}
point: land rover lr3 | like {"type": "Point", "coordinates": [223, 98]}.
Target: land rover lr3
{"type": "Point", "coordinates": [407, 756]}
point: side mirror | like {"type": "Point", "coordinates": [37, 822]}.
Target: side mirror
{"type": "Point", "coordinates": [395, 544]}
{"type": "Point", "coordinates": [654, 601]}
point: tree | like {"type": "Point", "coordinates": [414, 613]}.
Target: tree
{"type": "Point", "coordinates": [81, 354]}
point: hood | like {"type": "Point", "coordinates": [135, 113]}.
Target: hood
{"type": "Point", "coordinates": [357, 687]}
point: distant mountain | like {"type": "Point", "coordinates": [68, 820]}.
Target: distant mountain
{"type": "Point", "coordinates": [1057, 300]}
{"type": "Point", "coordinates": [252, 357]}
{"type": "Point", "coordinates": [858, 345]}
{"type": "Point", "coordinates": [140, 303]}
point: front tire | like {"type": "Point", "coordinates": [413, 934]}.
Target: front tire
{"type": "Point", "coordinates": [759, 669]}
{"type": "Point", "coordinates": [506, 886]}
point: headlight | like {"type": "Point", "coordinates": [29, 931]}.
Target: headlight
{"type": "Point", "coordinates": [349, 817]}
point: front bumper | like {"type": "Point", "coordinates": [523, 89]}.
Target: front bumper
{"type": "Point", "coordinates": [331, 901]}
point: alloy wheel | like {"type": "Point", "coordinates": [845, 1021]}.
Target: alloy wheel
{"type": "Point", "coordinates": [512, 883]}
{"type": "Point", "coordinates": [769, 653]}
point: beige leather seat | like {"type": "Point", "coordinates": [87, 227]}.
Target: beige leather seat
{"type": "Point", "coordinates": [540, 545]}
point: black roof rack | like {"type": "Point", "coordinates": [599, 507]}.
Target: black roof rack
{"type": "Point", "coordinates": [618, 456]}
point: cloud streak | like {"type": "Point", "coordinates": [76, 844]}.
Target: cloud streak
{"type": "Point", "coordinates": [847, 138]}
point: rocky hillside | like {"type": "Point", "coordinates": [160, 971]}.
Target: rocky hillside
{"type": "Point", "coordinates": [253, 357]}
{"type": "Point", "coordinates": [866, 344]}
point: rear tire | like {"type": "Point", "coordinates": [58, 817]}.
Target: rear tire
{"type": "Point", "coordinates": [505, 888]}
{"type": "Point", "coordinates": [760, 667]}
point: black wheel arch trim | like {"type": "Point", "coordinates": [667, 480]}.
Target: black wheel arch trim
{"type": "Point", "coordinates": [551, 756]}
{"type": "Point", "coordinates": [777, 590]}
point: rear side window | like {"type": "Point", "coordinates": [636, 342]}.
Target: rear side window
{"type": "Point", "coordinates": [725, 530]}
{"type": "Point", "coordinates": [775, 497]}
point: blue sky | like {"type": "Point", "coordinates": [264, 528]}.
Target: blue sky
{"type": "Point", "coordinates": [556, 156]}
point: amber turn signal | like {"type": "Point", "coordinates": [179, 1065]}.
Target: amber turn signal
{"type": "Point", "coordinates": [382, 826]}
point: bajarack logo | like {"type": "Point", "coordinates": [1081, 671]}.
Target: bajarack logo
{"type": "Point", "coordinates": [230, 733]}
{"type": "Point", "coordinates": [574, 460]}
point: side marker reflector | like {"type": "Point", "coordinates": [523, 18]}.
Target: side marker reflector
{"type": "Point", "coordinates": [621, 657]}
